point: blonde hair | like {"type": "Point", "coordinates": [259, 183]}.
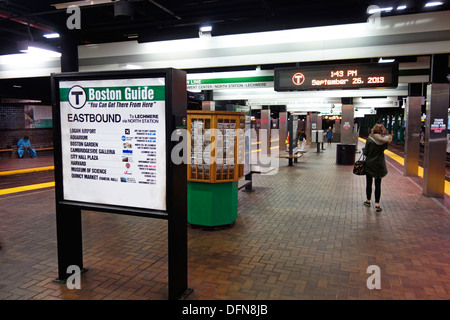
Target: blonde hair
{"type": "Point", "coordinates": [379, 128]}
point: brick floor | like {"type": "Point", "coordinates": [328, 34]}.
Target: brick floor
{"type": "Point", "coordinates": [302, 234]}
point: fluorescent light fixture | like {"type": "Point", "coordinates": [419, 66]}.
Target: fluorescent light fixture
{"type": "Point", "coordinates": [434, 4]}
{"type": "Point", "coordinates": [42, 52]}
{"type": "Point", "coordinates": [51, 35]}
{"type": "Point", "coordinates": [402, 7]}
{"type": "Point", "coordinates": [376, 10]}
{"type": "Point", "coordinates": [38, 49]}
{"type": "Point", "coordinates": [205, 28]}
{"type": "Point", "coordinates": [385, 60]}
{"type": "Point", "coordinates": [130, 66]}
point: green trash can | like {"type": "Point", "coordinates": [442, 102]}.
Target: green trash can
{"type": "Point", "coordinates": [212, 204]}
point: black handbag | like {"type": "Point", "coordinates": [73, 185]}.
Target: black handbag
{"type": "Point", "coordinates": [359, 167]}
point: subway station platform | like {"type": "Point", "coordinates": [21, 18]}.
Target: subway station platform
{"type": "Point", "coordinates": [303, 234]}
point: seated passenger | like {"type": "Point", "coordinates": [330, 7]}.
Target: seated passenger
{"type": "Point", "coordinates": [24, 146]}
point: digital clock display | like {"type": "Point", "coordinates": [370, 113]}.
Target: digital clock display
{"type": "Point", "coordinates": [329, 77]}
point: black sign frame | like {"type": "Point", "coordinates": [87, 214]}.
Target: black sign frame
{"type": "Point", "coordinates": [283, 77]}
{"type": "Point", "coordinates": [68, 213]}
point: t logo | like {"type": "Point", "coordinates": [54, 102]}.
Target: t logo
{"type": "Point", "coordinates": [77, 97]}
{"type": "Point", "coordinates": [298, 79]}
{"type": "Point", "coordinates": [374, 281]}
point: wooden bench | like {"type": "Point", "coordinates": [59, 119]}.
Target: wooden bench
{"type": "Point", "coordinates": [10, 150]}
{"type": "Point", "coordinates": [296, 153]}
{"type": "Point", "coordinates": [43, 149]}
{"type": "Point", "coordinates": [248, 178]}
{"type": "Point", "coordinates": [7, 150]}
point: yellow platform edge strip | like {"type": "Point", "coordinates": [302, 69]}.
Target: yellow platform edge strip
{"type": "Point", "coordinates": [27, 188]}
{"type": "Point", "coordinates": [400, 160]}
{"type": "Point", "coordinates": [30, 170]}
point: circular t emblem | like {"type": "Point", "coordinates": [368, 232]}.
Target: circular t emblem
{"type": "Point", "coordinates": [77, 97]}
{"type": "Point", "coordinates": [298, 79]}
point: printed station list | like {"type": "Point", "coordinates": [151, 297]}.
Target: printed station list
{"type": "Point", "coordinates": [132, 159]}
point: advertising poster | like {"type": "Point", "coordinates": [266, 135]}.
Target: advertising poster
{"type": "Point", "coordinates": [38, 116]}
{"type": "Point", "coordinates": [113, 142]}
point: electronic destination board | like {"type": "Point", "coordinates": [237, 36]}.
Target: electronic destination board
{"type": "Point", "coordinates": [332, 77]}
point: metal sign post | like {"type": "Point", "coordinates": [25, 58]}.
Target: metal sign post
{"type": "Point", "coordinates": [112, 137]}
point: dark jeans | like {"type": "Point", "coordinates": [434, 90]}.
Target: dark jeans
{"type": "Point", "coordinates": [369, 180]}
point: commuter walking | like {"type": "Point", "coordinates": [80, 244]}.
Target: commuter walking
{"type": "Point", "coordinates": [375, 163]}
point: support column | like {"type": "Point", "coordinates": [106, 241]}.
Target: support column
{"type": "Point", "coordinates": [265, 125]}
{"type": "Point", "coordinates": [68, 218]}
{"type": "Point", "coordinates": [396, 126]}
{"type": "Point", "coordinates": [337, 129]}
{"type": "Point", "coordinates": [314, 126]}
{"type": "Point", "coordinates": [283, 128]}
{"type": "Point", "coordinates": [435, 151]}
{"type": "Point", "coordinates": [435, 140]}
{"type": "Point", "coordinates": [412, 135]}
{"type": "Point", "coordinates": [347, 124]}
{"type": "Point", "coordinates": [402, 132]}
{"type": "Point", "coordinates": [69, 53]}
{"type": "Point", "coordinates": [291, 136]}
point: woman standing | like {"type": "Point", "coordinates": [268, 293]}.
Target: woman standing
{"type": "Point", "coordinates": [375, 163]}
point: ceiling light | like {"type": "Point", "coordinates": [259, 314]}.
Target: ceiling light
{"type": "Point", "coordinates": [403, 7]}
{"type": "Point", "coordinates": [434, 4]}
{"type": "Point", "coordinates": [51, 35]}
{"type": "Point", "coordinates": [37, 48]}
{"type": "Point", "coordinates": [205, 28]}
{"type": "Point", "coordinates": [42, 52]}
{"type": "Point", "coordinates": [378, 9]}
{"type": "Point", "coordinates": [385, 60]}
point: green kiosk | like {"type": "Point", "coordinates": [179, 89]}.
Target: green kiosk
{"type": "Point", "coordinates": [216, 151]}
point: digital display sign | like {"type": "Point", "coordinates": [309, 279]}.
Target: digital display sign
{"type": "Point", "coordinates": [332, 77]}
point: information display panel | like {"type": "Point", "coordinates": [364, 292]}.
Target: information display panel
{"type": "Point", "coordinates": [113, 142]}
{"type": "Point", "coordinates": [332, 77]}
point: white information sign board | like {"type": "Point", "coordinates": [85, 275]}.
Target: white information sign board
{"type": "Point", "coordinates": [113, 142]}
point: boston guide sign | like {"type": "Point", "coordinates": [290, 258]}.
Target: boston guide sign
{"type": "Point", "coordinates": [330, 77]}
{"type": "Point", "coordinates": [113, 141]}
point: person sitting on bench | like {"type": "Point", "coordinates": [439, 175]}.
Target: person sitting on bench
{"type": "Point", "coordinates": [24, 146]}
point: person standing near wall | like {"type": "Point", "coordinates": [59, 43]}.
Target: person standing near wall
{"type": "Point", "coordinates": [375, 163]}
